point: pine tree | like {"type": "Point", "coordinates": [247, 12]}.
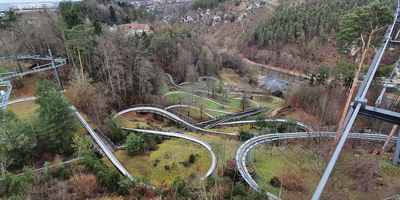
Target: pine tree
{"type": "Point", "coordinates": [134, 144]}
{"type": "Point", "coordinates": [17, 141]}
{"type": "Point", "coordinates": [55, 123]}
{"type": "Point", "coordinates": [113, 16]}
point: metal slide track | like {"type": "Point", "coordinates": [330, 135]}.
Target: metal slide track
{"type": "Point", "coordinates": [359, 104]}
{"type": "Point", "coordinates": [246, 147]}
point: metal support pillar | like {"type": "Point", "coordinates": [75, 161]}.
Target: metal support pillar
{"type": "Point", "coordinates": [18, 64]}
{"type": "Point", "coordinates": [359, 103]}
{"type": "Point", "coordinates": [396, 154]}
{"type": "Point", "coordinates": [53, 64]}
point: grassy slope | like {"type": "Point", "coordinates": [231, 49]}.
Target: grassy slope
{"type": "Point", "coordinates": [193, 113]}
{"type": "Point", "coordinates": [171, 152]}
{"type": "Point", "coordinates": [274, 162]}
{"type": "Point", "coordinates": [224, 147]}
{"type": "Point", "coordinates": [25, 110]}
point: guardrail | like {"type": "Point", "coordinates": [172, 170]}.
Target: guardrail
{"type": "Point", "coordinates": [171, 116]}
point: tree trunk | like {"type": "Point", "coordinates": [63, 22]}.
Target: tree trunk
{"type": "Point", "coordinates": [81, 65]}
{"type": "Point", "coordinates": [392, 132]}
{"type": "Point", "coordinates": [364, 51]}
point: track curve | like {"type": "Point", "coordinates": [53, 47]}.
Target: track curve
{"type": "Point", "coordinates": [169, 115]}
{"type": "Point", "coordinates": [189, 106]}
{"type": "Point", "coordinates": [197, 96]}
{"type": "Point", "coordinates": [236, 123]}
{"type": "Point", "coordinates": [186, 137]}
{"type": "Point", "coordinates": [246, 147]}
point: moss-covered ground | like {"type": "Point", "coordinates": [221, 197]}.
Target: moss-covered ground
{"type": "Point", "coordinates": [162, 166]}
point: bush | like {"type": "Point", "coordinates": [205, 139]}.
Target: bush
{"type": "Point", "coordinates": [237, 2]}
{"type": "Point", "coordinates": [109, 178]}
{"type": "Point", "coordinates": [288, 181]}
{"type": "Point", "coordinates": [245, 135]}
{"type": "Point", "coordinates": [117, 134]}
{"type": "Point", "coordinates": [192, 158]}
{"type": "Point", "coordinates": [181, 188]}
{"type": "Point", "coordinates": [85, 185]}
{"type": "Point", "coordinates": [124, 184]}
{"type": "Point", "coordinates": [134, 144]}
{"type": "Point", "coordinates": [205, 4]}
{"type": "Point", "coordinates": [62, 173]}
{"type": "Point", "coordinates": [167, 167]}
{"type": "Point", "coordinates": [11, 184]}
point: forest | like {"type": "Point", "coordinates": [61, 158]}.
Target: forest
{"type": "Point", "coordinates": [303, 23]}
{"type": "Point", "coordinates": [150, 97]}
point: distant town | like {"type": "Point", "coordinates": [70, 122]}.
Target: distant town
{"type": "Point", "coordinates": [30, 4]}
{"type": "Point", "coordinates": [50, 4]}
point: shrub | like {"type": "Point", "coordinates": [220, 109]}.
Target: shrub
{"type": "Point", "coordinates": [117, 134]}
{"type": "Point", "coordinates": [11, 184]}
{"type": "Point", "coordinates": [245, 135]}
{"type": "Point", "coordinates": [84, 185]}
{"type": "Point", "coordinates": [109, 178]}
{"type": "Point", "coordinates": [288, 181]}
{"type": "Point", "coordinates": [192, 158]}
{"type": "Point", "coordinates": [181, 188]}
{"type": "Point", "coordinates": [134, 144]}
{"type": "Point", "coordinates": [62, 173]}
{"type": "Point", "coordinates": [167, 167]}
{"type": "Point", "coordinates": [237, 2]}
{"type": "Point", "coordinates": [124, 184]}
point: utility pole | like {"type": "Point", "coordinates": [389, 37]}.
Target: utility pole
{"type": "Point", "coordinates": [53, 64]}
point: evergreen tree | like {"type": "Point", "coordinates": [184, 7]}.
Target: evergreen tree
{"type": "Point", "coordinates": [55, 123]}
{"type": "Point", "coordinates": [17, 140]}
{"type": "Point", "coordinates": [301, 23]}
{"type": "Point", "coordinates": [113, 16]}
{"type": "Point", "coordinates": [134, 144]}
{"type": "Point", "coordinates": [70, 13]}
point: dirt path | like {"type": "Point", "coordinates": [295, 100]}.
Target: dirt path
{"type": "Point", "coordinates": [250, 63]}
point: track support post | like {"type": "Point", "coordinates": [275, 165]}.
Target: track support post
{"type": "Point", "coordinates": [396, 154]}
{"type": "Point", "coordinates": [53, 64]}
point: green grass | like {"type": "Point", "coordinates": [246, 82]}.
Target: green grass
{"type": "Point", "coordinates": [193, 113]}
{"type": "Point", "coordinates": [269, 162]}
{"type": "Point", "coordinates": [271, 103]}
{"type": "Point", "coordinates": [223, 146]}
{"type": "Point", "coordinates": [181, 98]}
{"type": "Point", "coordinates": [24, 110]}
{"type": "Point", "coordinates": [171, 152]}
